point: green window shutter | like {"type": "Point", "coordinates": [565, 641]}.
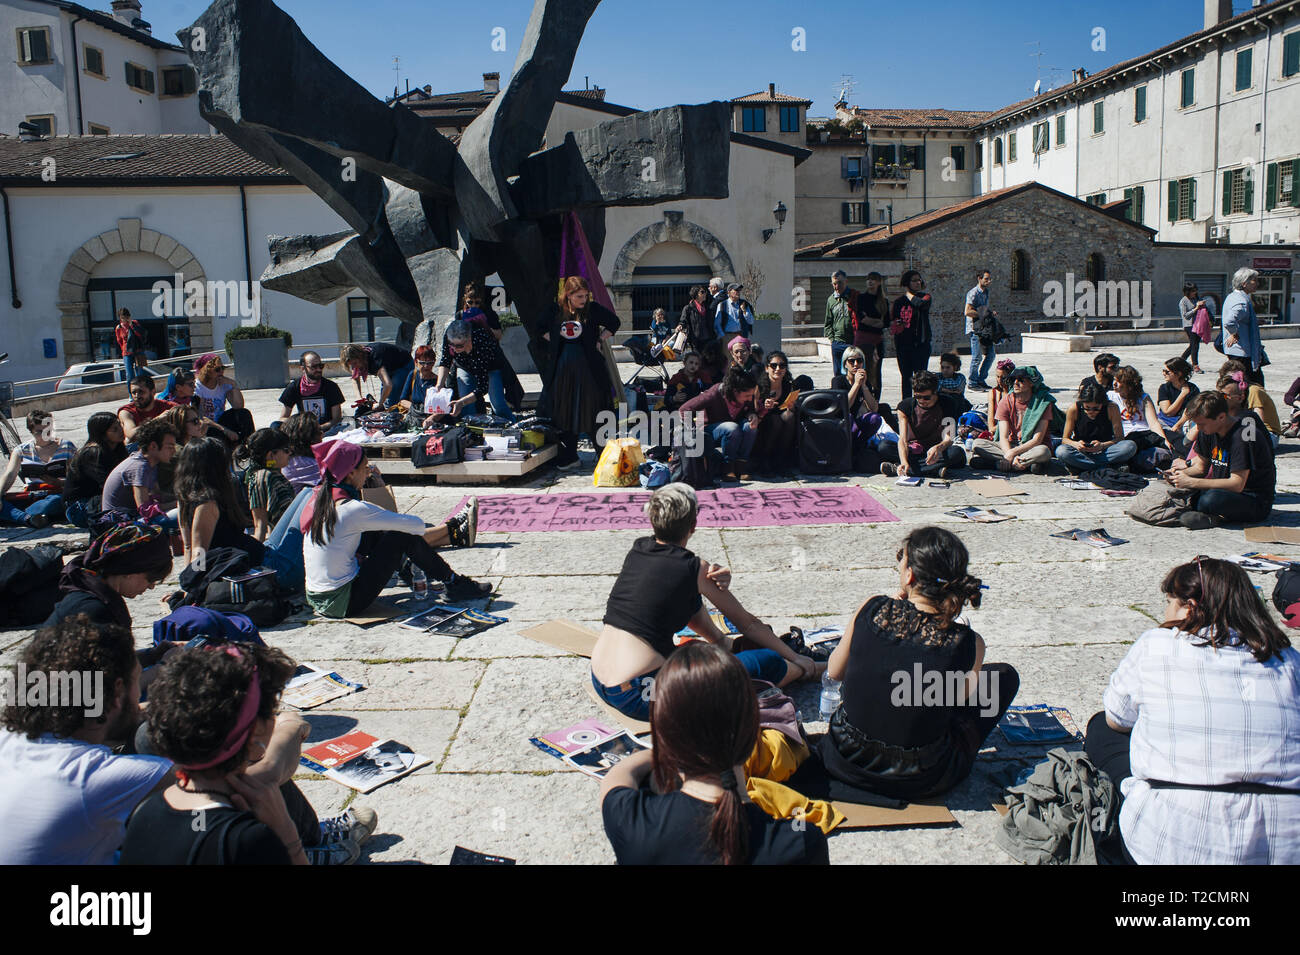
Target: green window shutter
{"type": "Point", "coordinates": [1244, 59]}
{"type": "Point", "coordinates": [1191, 198]}
{"type": "Point", "coordinates": [1291, 54]}
{"type": "Point", "coordinates": [1250, 195]}
{"type": "Point", "coordinates": [1270, 186]}
{"type": "Point", "coordinates": [1139, 196]}
{"type": "Point", "coordinates": [1173, 200]}
{"type": "Point", "coordinates": [1295, 179]}
{"type": "Point", "coordinates": [1227, 193]}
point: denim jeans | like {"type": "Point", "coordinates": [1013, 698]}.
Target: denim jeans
{"type": "Point", "coordinates": [634, 701]}
{"type": "Point", "coordinates": [399, 379]}
{"type": "Point", "coordinates": [283, 546]}
{"type": "Point", "coordinates": [1077, 460]}
{"type": "Point", "coordinates": [979, 371]}
{"type": "Point", "coordinates": [50, 506]}
{"type": "Point", "coordinates": [1233, 507]}
{"type": "Point", "coordinates": [496, 392]}
{"type": "Point", "coordinates": [837, 357]}
{"type": "Point", "coordinates": [735, 440]}
{"type": "Point", "coordinates": [128, 364]}
{"type": "Point", "coordinates": [76, 512]}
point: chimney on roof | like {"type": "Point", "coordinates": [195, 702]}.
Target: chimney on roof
{"type": "Point", "coordinates": [126, 11]}
{"type": "Point", "coordinates": [29, 133]}
{"type": "Point", "coordinates": [771, 90]}
{"type": "Point", "coordinates": [491, 82]}
{"type": "Point", "coordinates": [1080, 74]}
{"type": "Point", "coordinates": [1216, 11]}
{"type": "Point", "coordinates": [428, 90]}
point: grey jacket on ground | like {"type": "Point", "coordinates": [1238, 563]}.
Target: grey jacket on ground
{"type": "Point", "coordinates": [1059, 812]}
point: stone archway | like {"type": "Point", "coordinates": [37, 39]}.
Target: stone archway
{"type": "Point", "coordinates": [673, 228]}
{"type": "Point", "coordinates": [74, 303]}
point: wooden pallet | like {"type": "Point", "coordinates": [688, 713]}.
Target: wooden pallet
{"type": "Point", "coordinates": [395, 459]}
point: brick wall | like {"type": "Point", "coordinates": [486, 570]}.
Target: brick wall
{"type": "Point", "coordinates": [1056, 234]}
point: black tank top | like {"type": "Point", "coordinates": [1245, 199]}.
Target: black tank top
{"type": "Point", "coordinates": [1088, 428]}
{"type": "Point", "coordinates": [656, 593]}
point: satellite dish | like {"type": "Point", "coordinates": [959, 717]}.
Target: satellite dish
{"type": "Point", "coordinates": [1038, 87]}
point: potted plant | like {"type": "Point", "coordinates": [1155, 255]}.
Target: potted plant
{"type": "Point", "coordinates": [514, 342]}
{"type": "Point", "coordinates": [767, 330]}
{"type": "Point", "coordinates": [260, 354]}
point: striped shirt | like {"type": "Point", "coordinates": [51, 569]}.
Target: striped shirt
{"type": "Point", "coordinates": [1201, 716]}
{"type": "Point", "coordinates": [32, 459]}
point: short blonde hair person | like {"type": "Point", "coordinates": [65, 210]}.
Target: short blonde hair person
{"type": "Point", "coordinates": [853, 351]}
{"type": "Point", "coordinates": [672, 510]}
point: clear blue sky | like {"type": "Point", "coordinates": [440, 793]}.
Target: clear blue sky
{"type": "Point", "coordinates": [952, 54]}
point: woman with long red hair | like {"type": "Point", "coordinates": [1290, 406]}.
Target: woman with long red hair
{"type": "Point", "coordinates": [576, 384]}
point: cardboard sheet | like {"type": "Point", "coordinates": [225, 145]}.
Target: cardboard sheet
{"type": "Point", "coordinates": [1273, 535]}
{"type": "Point", "coordinates": [377, 612]}
{"type": "Point", "coordinates": [381, 496]}
{"type": "Point", "coordinates": [564, 634]}
{"type": "Point", "coordinates": [995, 487]}
{"type": "Point", "coordinates": [928, 813]}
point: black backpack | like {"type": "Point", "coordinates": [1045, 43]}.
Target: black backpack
{"type": "Point", "coordinates": [1287, 589]}
{"type": "Point", "coordinates": [29, 585]}
{"type": "Point", "coordinates": [261, 599]}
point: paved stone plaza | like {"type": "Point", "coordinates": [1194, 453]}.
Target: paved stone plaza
{"type": "Point", "coordinates": [1062, 613]}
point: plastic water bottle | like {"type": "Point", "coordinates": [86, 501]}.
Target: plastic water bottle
{"type": "Point", "coordinates": [419, 584]}
{"type": "Point", "coordinates": [830, 700]}
{"type": "Point", "coordinates": [970, 443]}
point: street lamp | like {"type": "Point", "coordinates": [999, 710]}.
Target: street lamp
{"type": "Point", "coordinates": [779, 213]}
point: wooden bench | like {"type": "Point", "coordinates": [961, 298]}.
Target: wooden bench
{"type": "Point", "coordinates": [395, 460]}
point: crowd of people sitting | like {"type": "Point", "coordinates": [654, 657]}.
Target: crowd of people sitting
{"type": "Point", "coordinates": [1203, 775]}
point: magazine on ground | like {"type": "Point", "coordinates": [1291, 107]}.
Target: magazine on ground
{"type": "Point", "coordinates": [1038, 723]}
{"type": "Point", "coordinates": [1267, 563]}
{"type": "Point", "coordinates": [719, 621]}
{"type": "Point", "coordinates": [462, 856]}
{"type": "Point", "coordinates": [311, 686]}
{"type": "Point", "coordinates": [456, 622]}
{"type": "Point", "coordinates": [1097, 537]}
{"type": "Point", "coordinates": [827, 638]}
{"type": "Point", "coordinates": [1075, 484]}
{"type": "Point", "coordinates": [980, 515]}
{"type": "Point", "coordinates": [361, 761]}
{"type": "Point", "coordinates": [603, 755]}
{"type": "Point", "coordinates": [573, 738]}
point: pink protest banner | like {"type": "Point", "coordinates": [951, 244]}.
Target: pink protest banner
{"type": "Point", "coordinates": [727, 507]}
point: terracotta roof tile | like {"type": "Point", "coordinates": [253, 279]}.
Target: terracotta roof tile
{"type": "Point", "coordinates": [921, 118]}
{"type": "Point", "coordinates": [765, 96]}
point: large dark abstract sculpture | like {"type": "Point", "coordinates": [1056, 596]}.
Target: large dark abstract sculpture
{"type": "Point", "coordinates": [428, 215]}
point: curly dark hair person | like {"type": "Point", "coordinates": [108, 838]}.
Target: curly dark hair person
{"type": "Point", "coordinates": [940, 559]}
{"type": "Point", "coordinates": [75, 646]}
{"type": "Point", "coordinates": [194, 703]}
{"type": "Point", "coordinates": [303, 431]}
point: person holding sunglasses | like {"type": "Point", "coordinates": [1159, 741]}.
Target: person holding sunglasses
{"type": "Point", "coordinates": [1198, 730]}
{"type": "Point", "coordinates": [312, 392]}
{"type": "Point", "coordinates": [1093, 436]}
{"type": "Point", "coordinates": [774, 448]}
{"type": "Point", "coordinates": [927, 432]}
{"type": "Point", "coordinates": [865, 413]}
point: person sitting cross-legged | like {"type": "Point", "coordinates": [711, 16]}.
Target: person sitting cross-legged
{"type": "Point", "coordinates": [660, 590]}
{"type": "Point", "coordinates": [212, 711]}
{"type": "Point", "coordinates": [899, 739]}
{"type": "Point", "coordinates": [695, 809]}
{"type": "Point", "coordinates": [927, 432]}
{"type": "Point", "coordinates": [1023, 419]}
{"type": "Point", "coordinates": [1093, 435]}
{"type": "Point", "coordinates": [731, 418]}
{"type": "Point", "coordinates": [351, 547]}
{"type": "Point", "coordinates": [1199, 729]}
{"type": "Point", "coordinates": [1232, 469]}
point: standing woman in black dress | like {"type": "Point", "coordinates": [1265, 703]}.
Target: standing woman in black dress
{"type": "Point", "coordinates": [910, 325]}
{"type": "Point", "coordinates": [577, 386]}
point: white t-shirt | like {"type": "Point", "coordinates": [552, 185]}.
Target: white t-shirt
{"type": "Point", "coordinates": [1202, 716]}
{"type": "Point", "coordinates": [212, 401]}
{"type": "Point", "coordinates": [65, 802]}
{"type": "Point", "coordinates": [331, 565]}
{"type": "Point", "coordinates": [1135, 421]}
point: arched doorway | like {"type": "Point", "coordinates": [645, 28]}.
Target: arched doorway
{"type": "Point", "coordinates": [664, 278]}
{"type": "Point", "coordinates": [656, 267]}
{"type": "Point", "coordinates": [117, 269]}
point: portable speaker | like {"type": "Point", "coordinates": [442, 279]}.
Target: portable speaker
{"type": "Point", "coordinates": [825, 438]}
